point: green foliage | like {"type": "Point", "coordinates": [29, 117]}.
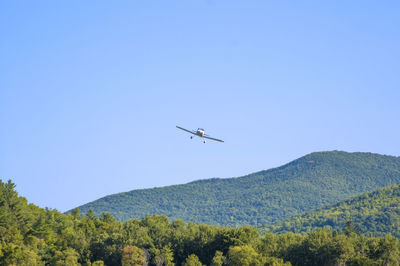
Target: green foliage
{"type": "Point", "coordinates": [33, 236]}
{"type": "Point", "coordinates": [243, 256]}
{"type": "Point", "coordinates": [164, 257]}
{"type": "Point", "coordinates": [307, 183]}
{"type": "Point", "coordinates": [376, 213]}
{"type": "Point", "coordinates": [30, 235]}
{"type": "Point", "coordinates": [219, 259]}
{"type": "Point", "coordinates": [192, 260]}
{"type": "Point", "coordinates": [132, 255]}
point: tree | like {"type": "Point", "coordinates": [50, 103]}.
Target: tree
{"type": "Point", "coordinates": [107, 218]}
{"type": "Point", "coordinates": [192, 260]}
{"type": "Point", "coordinates": [243, 256]}
{"type": "Point", "coordinates": [163, 257]}
{"type": "Point", "coordinates": [76, 213]}
{"type": "Point", "coordinates": [350, 228]}
{"type": "Point", "coordinates": [132, 255]}
{"type": "Point", "coordinates": [389, 250]}
{"type": "Point", "coordinates": [219, 259]}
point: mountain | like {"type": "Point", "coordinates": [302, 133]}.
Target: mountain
{"type": "Point", "coordinates": [265, 197]}
{"type": "Point", "coordinates": [35, 236]}
{"type": "Point", "coordinates": [376, 212]}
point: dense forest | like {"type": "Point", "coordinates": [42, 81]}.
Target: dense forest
{"type": "Point", "coordinates": [376, 213]}
{"type": "Point", "coordinates": [307, 183]}
{"type": "Point", "coordinates": [30, 235]}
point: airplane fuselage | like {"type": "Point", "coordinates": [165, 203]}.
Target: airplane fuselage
{"type": "Point", "coordinates": [200, 132]}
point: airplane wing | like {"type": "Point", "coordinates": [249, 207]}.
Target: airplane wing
{"type": "Point", "coordinates": [207, 137]}
{"type": "Point", "coordinates": [190, 131]}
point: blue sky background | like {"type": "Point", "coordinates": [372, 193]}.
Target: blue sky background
{"type": "Point", "coordinates": [91, 91]}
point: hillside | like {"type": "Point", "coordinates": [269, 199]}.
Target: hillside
{"type": "Point", "coordinates": [376, 212]}
{"type": "Point", "coordinates": [265, 197]}
{"type": "Point", "coordinates": [35, 236]}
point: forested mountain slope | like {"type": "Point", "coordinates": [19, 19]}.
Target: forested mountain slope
{"type": "Point", "coordinates": [376, 212]}
{"type": "Point", "coordinates": [30, 235]}
{"type": "Point", "coordinates": [307, 183]}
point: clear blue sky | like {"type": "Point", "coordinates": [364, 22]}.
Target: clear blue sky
{"type": "Point", "coordinates": [91, 91]}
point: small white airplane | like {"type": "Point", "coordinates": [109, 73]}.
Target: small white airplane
{"type": "Point", "coordinates": [200, 133]}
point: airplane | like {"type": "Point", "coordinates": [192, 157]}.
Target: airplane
{"type": "Point", "coordinates": [200, 133]}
